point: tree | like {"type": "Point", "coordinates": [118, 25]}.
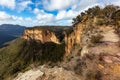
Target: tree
{"type": "Point", "coordinates": [108, 11]}
{"type": "Point", "coordinates": [116, 16]}
{"type": "Point", "coordinates": [104, 14]}
{"type": "Point", "coordinates": [93, 11]}
{"type": "Point", "coordinates": [77, 19]}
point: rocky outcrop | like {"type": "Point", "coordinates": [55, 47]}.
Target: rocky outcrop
{"type": "Point", "coordinates": [42, 35]}
{"type": "Point", "coordinates": [73, 38]}
{"type": "Point", "coordinates": [29, 75]}
{"type": "Point", "coordinates": [46, 73]}
{"type": "Point", "coordinates": [98, 48]}
{"type": "Point", "coordinates": [81, 34]}
{"type": "Point", "coordinates": [84, 34]}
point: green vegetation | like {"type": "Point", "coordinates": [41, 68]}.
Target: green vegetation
{"type": "Point", "coordinates": [69, 31]}
{"type": "Point", "coordinates": [20, 54]}
{"type": "Point", "coordinates": [96, 38]}
{"type": "Point", "coordinates": [116, 15]}
{"type": "Point", "coordinates": [93, 75]}
{"type": "Point", "coordinates": [8, 56]}
{"type": "Point", "coordinates": [50, 28]}
{"type": "Point", "coordinates": [87, 66]}
{"type": "Point", "coordinates": [107, 15]}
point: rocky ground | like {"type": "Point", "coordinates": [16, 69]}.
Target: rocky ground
{"type": "Point", "coordinates": [45, 73]}
{"type": "Point", "coordinates": [101, 61]}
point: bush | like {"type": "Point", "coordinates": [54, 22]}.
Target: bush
{"type": "Point", "coordinates": [53, 52]}
{"type": "Point", "coordinates": [93, 75]}
{"type": "Point", "coordinates": [96, 38]}
{"type": "Point", "coordinates": [100, 21]}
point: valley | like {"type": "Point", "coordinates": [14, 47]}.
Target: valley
{"type": "Point", "coordinates": [89, 50]}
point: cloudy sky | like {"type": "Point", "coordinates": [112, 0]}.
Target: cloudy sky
{"type": "Point", "coordinates": [45, 12]}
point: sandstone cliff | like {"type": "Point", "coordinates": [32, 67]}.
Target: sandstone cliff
{"type": "Point", "coordinates": [73, 38]}
{"type": "Point", "coordinates": [84, 33]}
{"type": "Point", "coordinates": [45, 33]}
{"type": "Point", "coordinates": [42, 35]}
{"type": "Point", "coordinates": [97, 49]}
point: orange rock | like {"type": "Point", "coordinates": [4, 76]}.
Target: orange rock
{"type": "Point", "coordinates": [40, 35]}
{"type": "Point", "coordinates": [100, 66]}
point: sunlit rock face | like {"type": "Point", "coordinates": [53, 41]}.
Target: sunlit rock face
{"type": "Point", "coordinates": [40, 35]}
{"type": "Point", "coordinates": [82, 35]}
{"type": "Point", "coordinates": [73, 38]}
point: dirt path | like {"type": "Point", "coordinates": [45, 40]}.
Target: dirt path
{"type": "Point", "coordinates": [110, 36]}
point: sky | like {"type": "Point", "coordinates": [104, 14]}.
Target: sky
{"type": "Point", "coordinates": [45, 12]}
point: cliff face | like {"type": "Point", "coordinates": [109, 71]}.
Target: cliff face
{"type": "Point", "coordinates": [41, 35]}
{"type": "Point", "coordinates": [87, 34]}
{"type": "Point", "coordinates": [73, 38]}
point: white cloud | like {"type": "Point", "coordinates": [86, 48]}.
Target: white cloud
{"type": "Point", "coordinates": [4, 16]}
{"type": "Point", "coordinates": [28, 19]}
{"type": "Point", "coordinates": [83, 4]}
{"type": "Point", "coordinates": [116, 2]}
{"type": "Point", "coordinates": [11, 19]}
{"type": "Point", "coordinates": [36, 11]}
{"type": "Point", "coordinates": [19, 5]}
{"type": "Point", "coordinates": [43, 17]}
{"type": "Point", "coordinates": [77, 5]}
{"type": "Point", "coordinates": [63, 17]}
{"type": "Point", "coordinates": [8, 3]}
{"type": "Point", "coordinates": [58, 4]}
{"type": "Point", "coordinates": [67, 9]}
{"type": "Point", "coordinates": [23, 5]}
{"type": "Point", "coordinates": [20, 18]}
{"type": "Point", "coordinates": [66, 14]}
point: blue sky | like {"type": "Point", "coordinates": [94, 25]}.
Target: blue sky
{"type": "Point", "coordinates": [45, 12]}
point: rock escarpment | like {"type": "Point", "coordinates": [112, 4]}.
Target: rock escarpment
{"type": "Point", "coordinates": [74, 37]}
{"type": "Point", "coordinates": [45, 34]}
{"type": "Point", "coordinates": [41, 35]}
{"type": "Point", "coordinates": [89, 31]}
{"type": "Point", "coordinates": [46, 73]}
{"type": "Point", "coordinates": [81, 35]}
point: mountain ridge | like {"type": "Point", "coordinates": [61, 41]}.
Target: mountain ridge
{"type": "Point", "coordinates": [10, 32]}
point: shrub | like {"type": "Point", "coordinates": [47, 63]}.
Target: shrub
{"type": "Point", "coordinates": [100, 21]}
{"type": "Point", "coordinates": [93, 75]}
{"type": "Point", "coordinates": [53, 52]}
{"type": "Point", "coordinates": [96, 38]}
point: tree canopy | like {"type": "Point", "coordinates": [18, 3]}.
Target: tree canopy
{"type": "Point", "coordinates": [110, 13]}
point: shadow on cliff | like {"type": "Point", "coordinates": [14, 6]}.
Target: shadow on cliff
{"type": "Point", "coordinates": [21, 54]}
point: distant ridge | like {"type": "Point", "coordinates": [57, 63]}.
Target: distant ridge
{"type": "Point", "coordinates": [9, 32]}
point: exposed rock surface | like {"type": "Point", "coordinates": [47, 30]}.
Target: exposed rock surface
{"type": "Point", "coordinates": [98, 58]}
{"type": "Point", "coordinates": [29, 75]}
{"type": "Point", "coordinates": [83, 34]}
{"type": "Point", "coordinates": [44, 73]}
{"type": "Point", "coordinates": [73, 38]}
{"type": "Point", "coordinates": [40, 35]}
